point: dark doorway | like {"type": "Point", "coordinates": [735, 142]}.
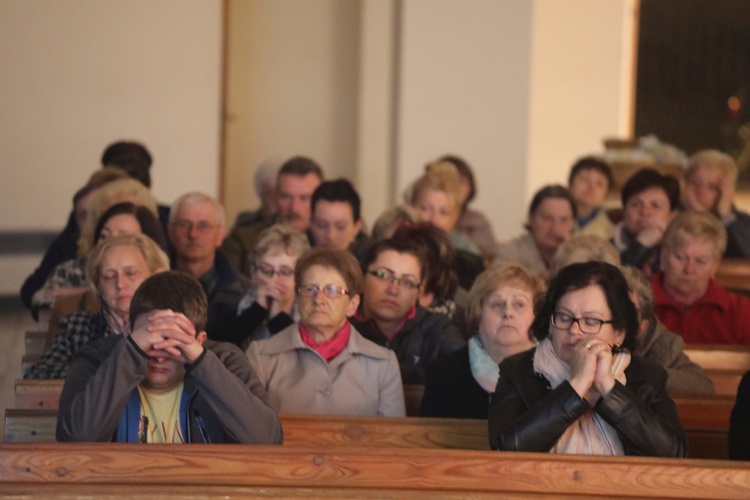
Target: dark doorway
{"type": "Point", "coordinates": [693, 87]}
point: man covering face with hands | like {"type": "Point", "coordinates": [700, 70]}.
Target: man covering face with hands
{"type": "Point", "coordinates": [165, 383]}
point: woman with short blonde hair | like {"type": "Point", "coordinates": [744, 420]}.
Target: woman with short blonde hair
{"type": "Point", "coordinates": [436, 196]}
{"type": "Point", "coordinates": [116, 268]}
{"type": "Point", "coordinates": [268, 306]}
{"type": "Point", "coordinates": [709, 186]}
{"type": "Point", "coordinates": [688, 300]}
{"type": "Point", "coordinates": [499, 314]}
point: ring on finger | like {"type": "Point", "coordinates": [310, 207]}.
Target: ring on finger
{"type": "Point", "coordinates": [587, 345]}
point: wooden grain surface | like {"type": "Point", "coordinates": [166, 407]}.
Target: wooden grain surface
{"type": "Point", "coordinates": [706, 424]}
{"type": "Point", "coordinates": [720, 357]}
{"type": "Point", "coordinates": [135, 469]}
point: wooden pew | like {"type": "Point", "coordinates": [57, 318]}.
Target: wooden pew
{"type": "Point", "coordinates": [34, 343]}
{"type": "Point", "coordinates": [706, 422]}
{"type": "Point", "coordinates": [720, 357]}
{"type": "Point", "coordinates": [725, 381]}
{"type": "Point", "coordinates": [36, 394]}
{"type": "Point", "coordinates": [41, 394]}
{"type": "Point", "coordinates": [310, 430]}
{"type": "Point", "coordinates": [223, 471]}
{"type": "Point", "coordinates": [734, 276]}
{"type": "Point", "coordinates": [724, 364]}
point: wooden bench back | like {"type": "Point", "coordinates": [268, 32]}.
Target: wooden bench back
{"type": "Point", "coordinates": [35, 343]}
{"type": "Point", "coordinates": [222, 471]}
{"type": "Point", "coordinates": [720, 357]}
{"type": "Point", "coordinates": [706, 422]}
{"type": "Point", "coordinates": [734, 276]}
{"type": "Point", "coordinates": [310, 430]}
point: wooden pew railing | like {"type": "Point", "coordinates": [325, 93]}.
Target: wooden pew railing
{"type": "Point", "coordinates": [724, 364]}
{"type": "Point", "coordinates": [310, 430]}
{"type": "Point", "coordinates": [734, 276]}
{"type": "Point", "coordinates": [706, 423]}
{"type": "Point", "coordinates": [35, 342]}
{"type": "Point", "coordinates": [720, 357]}
{"type": "Point", "coordinates": [222, 471]}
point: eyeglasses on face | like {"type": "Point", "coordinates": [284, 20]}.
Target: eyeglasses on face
{"type": "Point", "coordinates": [589, 326]}
{"type": "Point", "coordinates": [187, 226]}
{"type": "Point", "coordinates": [388, 277]}
{"type": "Point", "coordinates": [269, 272]}
{"type": "Point", "coordinates": [330, 291]}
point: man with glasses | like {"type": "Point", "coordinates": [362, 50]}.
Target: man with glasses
{"type": "Point", "coordinates": [390, 314]}
{"type": "Point", "coordinates": [196, 230]}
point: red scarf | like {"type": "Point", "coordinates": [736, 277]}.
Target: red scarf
{"type": "Point", "coordinates": [330, 348]}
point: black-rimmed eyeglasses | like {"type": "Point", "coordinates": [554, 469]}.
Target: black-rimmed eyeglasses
{"type": "Point", "coordinates": [384, 275]}
{"type": "Point", "coordinates": [589, 326]}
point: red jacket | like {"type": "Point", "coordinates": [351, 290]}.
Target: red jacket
{"type": "Point", "coordinates": [719, 317]}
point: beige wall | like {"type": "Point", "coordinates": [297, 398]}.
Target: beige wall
{"type": "Point", "coordinates": [78, 74]}
{"type": "Point", "coordinates": [581, 82]}
{"type": "Point", "coordinates": [292, 88]}
{"type": "Point", "coordinates": [372, 89]}
{"type": "Point", "coordinates": [464, 89]}
{"type": "Point", "coordinates": [520, 89]}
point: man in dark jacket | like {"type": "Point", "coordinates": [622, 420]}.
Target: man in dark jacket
{"type": "Point", "coordinates": [165, 383]}
{"type": "Point", "coordinates": [196, 230]}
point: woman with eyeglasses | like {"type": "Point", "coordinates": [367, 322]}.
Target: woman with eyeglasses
{"type": "Point", "coordinates": [390, 314]}
{"type": "Point", "coordinates": [321, 364]}
{"type": "Point", "coordinates": [268, 306]}
{"type": "Point", "coordinates": [580, 390]}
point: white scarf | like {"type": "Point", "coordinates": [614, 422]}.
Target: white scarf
{"type": "Point", "coordinates": [590, 434]}
{"type": "Point", "coordinates": [484, 369]}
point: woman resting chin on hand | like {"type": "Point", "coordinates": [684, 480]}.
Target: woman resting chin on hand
{"type": "Point", "coordinates": [580, 390]}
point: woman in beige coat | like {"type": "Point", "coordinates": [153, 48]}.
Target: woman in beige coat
{"type": "Point", "coordinates": [321, 364]}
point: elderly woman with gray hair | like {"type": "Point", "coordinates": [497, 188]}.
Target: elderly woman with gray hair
{"type": "Point", "coordinates": [321, 364]}
{"type": "Point", "coordinates": [657, 343]}
{"type": "Point", "coordinates": [269, 306]}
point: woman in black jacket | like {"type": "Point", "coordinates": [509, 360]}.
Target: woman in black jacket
{"type": "Point", "coordinates": [580, 390]}
{"type": "Point", "coordinates": [499, 313]}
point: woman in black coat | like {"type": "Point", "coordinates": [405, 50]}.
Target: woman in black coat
{"type": "Point", "coordinates": [500, 311]}
{"type": "Point", "coordinates": [580, 390]}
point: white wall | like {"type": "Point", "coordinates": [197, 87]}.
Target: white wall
{"type": "Point", "coordinates": [372, 89]}
{"type": "Point", "coordinates": [79, 74]}
{"type": "Point", "coordinates": [582, 78]}
{"type": "Point", "coordinates": [292, 88]}
{"type": "Point", "coordinates": [520, 89]}
{"type": "Point", "coordinates": [464, 89]}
